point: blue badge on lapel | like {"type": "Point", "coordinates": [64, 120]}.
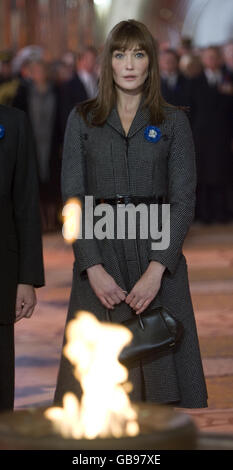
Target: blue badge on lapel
{"type": "Point", "coordinates": [152, 133]}
{"type": "Point", "coordinates": [2, 131]}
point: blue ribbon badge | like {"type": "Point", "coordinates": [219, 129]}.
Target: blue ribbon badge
{"type": "Point", "coordinates": [152, 133]}
{"type": "Point", "coordinates": [2, 131]}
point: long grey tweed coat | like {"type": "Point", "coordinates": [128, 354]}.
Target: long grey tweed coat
{"type": "Point", "coordinates": [102, 162]}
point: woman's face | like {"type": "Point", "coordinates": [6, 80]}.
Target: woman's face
{"type": "Point", "coordinates": [130, 68]}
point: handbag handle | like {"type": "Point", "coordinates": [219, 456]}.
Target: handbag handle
{"type": "Point", "coordinates": [139, 318]}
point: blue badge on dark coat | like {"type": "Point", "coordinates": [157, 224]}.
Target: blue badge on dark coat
{"type": "Point", "coordinates": [152, 133]}
{"type": "Point", "coordinates": [2, 131]}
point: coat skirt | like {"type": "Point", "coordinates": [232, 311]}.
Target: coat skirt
{"type": "Point", "coordinates": [103, 162]}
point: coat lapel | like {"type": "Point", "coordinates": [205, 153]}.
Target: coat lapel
{"type": "Point", "coordinates": [140, 120]}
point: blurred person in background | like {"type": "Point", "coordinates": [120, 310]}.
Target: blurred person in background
{"type": "Point", "coordinates": [228, 62]}
{"type": "Point", "coordinates": [5, 67]}
{"type": "Point", "coordinates": [185, 46]}
{"type": "Point", "coordinates": [163, 45]}
{"type": "Point", "coordinates": [59, 73]}
{"type": "Point", "coordinates": [25, 71]}
{"type": "Point", "coordinates": [190, 65]}
{"type": "Point", "coordinates": [69, 60]}
{"type": "Point", "coordinates": [24, 81]}
{"type": "Point", "coordinates": [39, 99]}
{"type": "Point", "coordinates": [86, 66]}
{"type": "Point", "coordinates": [71, 93]}
{"type": "Point", "coordinates": [174, 86]}
{"type": "Point", "coordinates": [8, 82]}
{"type": "Point", "coordinates": [211, 118]}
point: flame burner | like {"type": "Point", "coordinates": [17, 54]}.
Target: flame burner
{"type": "Point", "coordinates": [161, 428]}
{"type": "Point", "coordinates": [104, 418]}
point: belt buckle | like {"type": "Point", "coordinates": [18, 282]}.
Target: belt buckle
{"type": "Point", "coordinates": [123, 199]}
{"type": "Point", "coordinates": [127, 199]}
{"type": "Point", "coordinates": [119, 199]}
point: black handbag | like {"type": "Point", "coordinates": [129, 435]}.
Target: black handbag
{"type": "Point", "coordinates": [154, 331]}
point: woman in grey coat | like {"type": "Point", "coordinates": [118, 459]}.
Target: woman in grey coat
{"type": "Point", "coordinates": [129, 142]}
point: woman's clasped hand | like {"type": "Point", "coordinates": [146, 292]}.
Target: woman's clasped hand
{"type": "Point", "coordinates": [141, 295]}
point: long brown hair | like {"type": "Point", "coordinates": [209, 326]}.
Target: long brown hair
{"type": "Point", "coordinates": [125, 35]}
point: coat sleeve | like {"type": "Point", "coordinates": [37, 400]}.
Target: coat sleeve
{"type": "Point", "coordinates": [181, 191]}
{"type": "Point", "coordinates": [26, 208]}
{"type": "Point", "coordinates": [73, 183]}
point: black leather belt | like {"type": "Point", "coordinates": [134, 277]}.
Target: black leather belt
{"type": "Point", "coordinates": [119, 199]}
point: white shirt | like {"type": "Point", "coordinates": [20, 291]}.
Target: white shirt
{"type": "Point", "coordinates": [213, 77]}
{"type": "Point", "coordinates": [90, 83]}
{"type": "Point", "coordinates": [171, 79]}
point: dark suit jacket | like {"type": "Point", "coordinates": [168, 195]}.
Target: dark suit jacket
{"type": "Point", "coordinates": [227, 74]}
{"type": "Point", "coordinates": [20, 235]}
{"type": "Point", "coordinates": [71, 93]}
{"type": "Point", "coordinates": [211, 119]}
{"type": "Point", "coordinates": [180, 94]}
{"type": "Point", "coordinates": [50, 190]}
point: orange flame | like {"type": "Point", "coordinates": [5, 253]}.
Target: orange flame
{"type": "Point", "coordinates": [105, 408]}
{"type": "Point", "coordinates": [71, 216]}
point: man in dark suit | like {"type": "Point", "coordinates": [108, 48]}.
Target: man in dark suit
{"type": "Point", "coordinates": [86, 69]}
{"type": "Point", "coordinates": [71, 93]}
{"type": "Point", "coordinates": [21, 267]}
{"type": "Point", "coordinates": [211, 119]}
{"type": "Point", "coordinates": [175, 87]}
{"type": "Point", "coordinates": [228, 64]}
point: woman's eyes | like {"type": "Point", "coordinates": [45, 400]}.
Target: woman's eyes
{"type": "Point", "coordinates": [119, 55]}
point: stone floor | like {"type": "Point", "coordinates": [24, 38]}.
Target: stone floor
{"type": "Point", "coordinates": [209, 253]}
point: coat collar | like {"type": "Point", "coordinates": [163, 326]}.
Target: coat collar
{"type": "Point", "coordinates": [140, 120]}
